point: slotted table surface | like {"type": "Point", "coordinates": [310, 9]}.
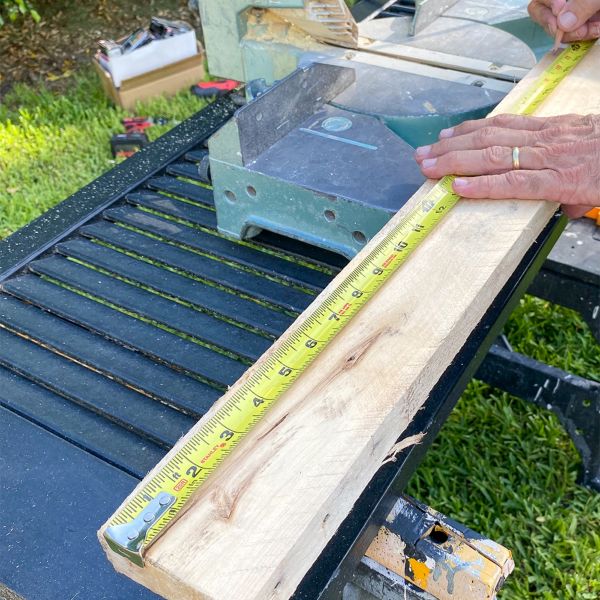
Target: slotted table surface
{"type": "Point", "coordinates": [142, 318]}
{"type": "Point", "coordinates": [113, 342]}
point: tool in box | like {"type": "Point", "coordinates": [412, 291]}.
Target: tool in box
{"type": "Point", "coordinates": [157, 29]}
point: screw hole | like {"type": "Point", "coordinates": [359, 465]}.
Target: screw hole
{"type": "Point", "coordinates": [329, 215]}
{"type": "Point", "coordinates": [251, 191]}
{"type": "Point", "coordinates": [587, 403]}
{"type": "Point", "coordinates": [359, 237]}
{"type": "Point", "coordinates": [229, 195]}
{"type": "Point", "coordinates": [478, 83]}
{"type": "Point", "coordinates": [438, 535]}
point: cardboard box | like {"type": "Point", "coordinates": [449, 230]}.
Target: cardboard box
{"type": "Point", "coordinates": [165, 81]}
{"type": "Point", "coordinates": [150, 57]}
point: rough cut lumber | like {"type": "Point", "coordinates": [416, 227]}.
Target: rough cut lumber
{"type": "Point", "coordinates": [261, 522]}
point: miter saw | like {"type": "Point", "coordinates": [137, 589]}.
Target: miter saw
{"type": "Point", "coordinates": [339, 99]}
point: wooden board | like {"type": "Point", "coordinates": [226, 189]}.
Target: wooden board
{"type": "Point", "coordinates": [261, 522]}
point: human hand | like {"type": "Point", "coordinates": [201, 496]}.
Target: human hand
{"type": "Point", "coordinates": [559, 159]}
{"type": "Point", "coordinates": [579, 19]}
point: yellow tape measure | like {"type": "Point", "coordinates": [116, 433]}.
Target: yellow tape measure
{"type": "Point", "coordinates": [160, 501]}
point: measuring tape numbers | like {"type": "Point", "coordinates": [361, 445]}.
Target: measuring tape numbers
{"type": "Point", "coordinates": [147, 514]}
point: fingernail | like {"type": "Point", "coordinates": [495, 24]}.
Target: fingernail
{"type": "Point", "coordinates": [446, 133]}
{"type": "Point", "coordinates": [567, 20]}
{"type": "Point", "coordinates": [423, 151]}
{"type": "Point", "coordinates": [429, 162]}
{"type": "Point", "coordinates": [460, 184]}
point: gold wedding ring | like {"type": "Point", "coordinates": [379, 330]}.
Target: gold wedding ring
{"type": "Point", "coordinates": [515, 158]}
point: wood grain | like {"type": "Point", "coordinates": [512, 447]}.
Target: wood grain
{"type": "Point", "coordinates": [260, 523]}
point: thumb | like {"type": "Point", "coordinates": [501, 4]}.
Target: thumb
{"type": "Point", "coordinates": [576, 13]}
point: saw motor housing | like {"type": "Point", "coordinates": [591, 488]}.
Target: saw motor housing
{"type": "Point", "coordinates": [324, 153]}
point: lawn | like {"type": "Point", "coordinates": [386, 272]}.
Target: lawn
{"type": "Point", "coordinates": [500, 465]}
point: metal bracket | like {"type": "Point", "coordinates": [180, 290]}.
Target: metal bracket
{"type": "Point", "coordinates": [421, 552]}
{"type": "Point", "coordinates": [126, 539]}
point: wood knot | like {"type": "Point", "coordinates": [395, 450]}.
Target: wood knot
{"type": "Point", "coordinates": [360, 351]}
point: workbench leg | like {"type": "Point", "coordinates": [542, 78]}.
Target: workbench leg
{"type": "Point", "coordinates": [574, 400]}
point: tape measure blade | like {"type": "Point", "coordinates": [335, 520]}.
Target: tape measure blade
{"type": "Point", "coordinates": [549, 80]}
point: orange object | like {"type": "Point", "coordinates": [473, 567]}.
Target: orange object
{"type": "Point", "coordinates": [594, 214]}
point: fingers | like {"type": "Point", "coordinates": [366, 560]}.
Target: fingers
{"type": "Point", "coordinates": [558, 159]}
{"type": "Point", "coordinates": [569, 187]}
{"type": "Point", "coordinates": [486, 137]}
{"type": "Point", "coordinates": [495, 159]}
{"type": "Point", "coordinates": [588, 31]}
{"type": "Point", "coordinates": [510, 122]}
{"type": "Point", "coordinates": [499, 159]}
{"type": "Point", "coordinates": [477, 140]}
{"type": "Point", "coordinates": [543, 15]}
{"type": "Point", "coordinates": [557, 6]}
{"type": "Point", "coordinates": [578, 19]}
{"type": "Point", "coordinates": [544, 12]}
{"type": "Point", "coordinates": [575, 14]}
{"type": "Point", "coordinates": [520, 185]}
{"type": "Point", "coordinates": [507, 121]}
{"type": "Point", "coordinates": [530, 185]}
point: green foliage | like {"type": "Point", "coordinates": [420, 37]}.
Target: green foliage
{"type": "Point", "coordinates": [500, 465]}
{"type": "Point", "coordinates": [13, 9]}
{"type": "Point", "coordinates": [556, 336]}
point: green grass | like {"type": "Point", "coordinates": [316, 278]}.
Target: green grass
{"type": "Point", "coordinates": [500, 465]}
{"type": "Point", "coordinates": [50, 145]}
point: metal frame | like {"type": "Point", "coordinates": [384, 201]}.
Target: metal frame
{"type": "Point", "coordinates": [571, 275]}
{"type": "Point", "coordinates": [571, 287]}
{"type": "Point", "coordinates": [574, 400]}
